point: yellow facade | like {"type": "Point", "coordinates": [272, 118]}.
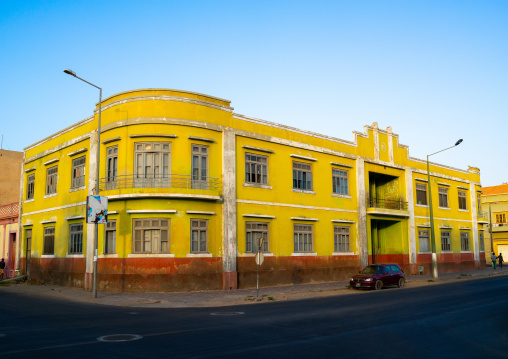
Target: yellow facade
{"type": "Point", "coordinates": [181, 159]}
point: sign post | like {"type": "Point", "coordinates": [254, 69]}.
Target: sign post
{"type": "Point", "coordinates": [259, 260]}
{"type": "Point", "coordinates": [96, 212]}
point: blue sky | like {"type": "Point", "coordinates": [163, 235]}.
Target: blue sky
{"type": "Point", "coordinates": [435, 71]}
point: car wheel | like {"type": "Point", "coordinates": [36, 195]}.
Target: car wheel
{"type": "Point", "coordinates": [379, 285]}
{"type": "Point", "coordinates": [402, 282]}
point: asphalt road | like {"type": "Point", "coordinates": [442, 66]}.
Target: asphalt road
{"type": "Point", "coordinates": [463, 319]}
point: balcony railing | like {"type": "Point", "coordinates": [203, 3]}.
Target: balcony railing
{"type": "Point", "coordinates": [9, 210]}
{"type": "Point", "coordinates": [159, 181]}
{"type": "Point", "coordinates": [482, 214]}
{"type": "Point", "coordinates": [386, 203]}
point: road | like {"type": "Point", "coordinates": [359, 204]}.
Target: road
{"type": "Point", "coordinates": [463, 319]}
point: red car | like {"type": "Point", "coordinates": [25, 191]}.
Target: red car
{"type": "Point", "coordinates": [378, 275]}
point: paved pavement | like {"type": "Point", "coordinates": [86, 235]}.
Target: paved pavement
{"type": "Point", "coordinates": [225, 298]}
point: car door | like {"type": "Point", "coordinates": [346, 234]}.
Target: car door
{"type": "Point", "coordinates": [387, 275]}
{"type": "Point", "coordinates": [396, 274]}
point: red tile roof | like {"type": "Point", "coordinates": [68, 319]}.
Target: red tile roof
{"type": "Point", "coordinates": [502, 189]}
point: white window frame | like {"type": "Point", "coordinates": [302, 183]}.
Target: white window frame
{"type": "Point", "coordinates": [340, 181]}
{"type": "Point", "coordinates": [443, 197]}
{"type": "Point", "coordinates": [199, 229]}
{"type": "Point", "coordinates": [341, 239]}
{"type": "Point", "coordinates": [421, 188]}
{"type": "Point", "coordinates": [49, 235]}
{"type": "Point", "coordinates": [110, 231]}
{"type": "Point", "coordinates": [462, 197]}
{"type": "Point", "coordinates": [76, 238]}
{"type": "Point", "coordinates": [253, 231]}
{"type": "Point", "coordinates": [302, 176]}
{"type": "Point", "coordinates": [51, 180]}
{"type": "Point", "coordinates": [78, 172]}
{"type": "Point", "coordinates": [446, 241]}
{"type": "Point", "coordinates": [30, 186]}
{"type": "Point", "coordinates": [303, 235]}
{"type": "Point", "coordinates": [464, 242]}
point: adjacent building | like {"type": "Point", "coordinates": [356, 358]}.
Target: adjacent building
{"type": "Point", "coordinates": [495, 204]}
{"type": "Point", "coordinates": [10, 176]}
{"type": "Point", "coordinates": [195, 189]}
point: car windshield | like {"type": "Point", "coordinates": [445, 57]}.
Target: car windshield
{"type": "Point", "coordinates": [372, 270]}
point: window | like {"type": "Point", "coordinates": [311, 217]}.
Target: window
{"type": "Point", "coordinates": [464, 241]}
{"type": "Point", "coordinates": [49, 240]}
{"type": "Point", "coordinates": [423, 238]}
{"type": "Point", "coordinates": [151, 235]}
{"type": "Point", "coordinates": [110, 240]}
{"type": "Point", "coordinates": [443, 197]}
{"type": "Point", "coordinates": [462, 200]}
{"type": "Point", "coordinates": [30, 182]}
{"type": "Point", "coordinates": [78, 172]}
{"type": "Point", "coordinates": [76, 239]}
{"type": "Point", "coordinates": [479, 201]}
{"type": "Point", "coordinates": [254, 231]}
{"type": "Point", "coordinates": [341, 242]}
{"type": "Point", "coordinates": [51, 180]}
{"type": "Point", "coordinates": [200, 166]}
{"type": "Point", "coordinates": [395, 268]}
{"type": "Point", "coordinates": [421, 194]}
{"type": "Point", "coordinates": [199, 235]}
{"type": "Point", "coordinates": [303, 237]}
{"type": "Point", "coordinates": [256, 168]}
{"type": "Point", "coordinates": [111, 167]}
{"type": "Point", "coordinates": [340, 181]}
{"type": "Point", "coordinates": [501, 218]}
{"type": "Point", "coordinates": [302, 176]}
{"type": "Point", "coordinates": [151, 163]}
{"type": "Point", "coordinates": [445, 241]}
{"type": "Point", "coordinates": [482, 244]}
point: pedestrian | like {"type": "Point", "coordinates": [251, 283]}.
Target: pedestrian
{"type": "Point", "coordinates": [2, 267]}
{"type": "Point", "coordinates": [501, 260]}
{"type": "Point", "coordinates": [494, 258]}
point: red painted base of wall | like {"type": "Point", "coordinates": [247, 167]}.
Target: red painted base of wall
{"type": "Point", "coordinates": [229, 280]}
{"type": "Point", "coordinates": [195, 274]}
{"type": "Point", "coordinates": [296, 270]}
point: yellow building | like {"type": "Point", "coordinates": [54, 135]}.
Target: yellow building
{"type": "Point", "coordinates": [192, 186]}
{"type": "Point", "coordinates": [495, 205]}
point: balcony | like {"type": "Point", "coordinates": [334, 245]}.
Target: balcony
{"type": "Point", "coordinates": [174, 185]}
{"type": "Point", "coordinates": [386, 204]}
{"type": "Point", "coordinates": [387, 207]}
{"type": "Point", "coordinates": [9, 211]}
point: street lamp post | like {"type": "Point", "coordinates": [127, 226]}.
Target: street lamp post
{"type": "Point", "coordinates": [96, 226]}
{"type": "Point", "coordinates": [432, 235]}
{"type": "Point", "coordinates": [490, 227]}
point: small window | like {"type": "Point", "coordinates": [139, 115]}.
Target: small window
{"type": "Point", "coordinates": [151, 235]}
{"type": "Point", "coordinates": [341, 239]}
{"type": "Point", "coordinates": [51, 180]}
{"type": "Point", "coordinates": [482, 244]}
{"type": "Point", "coordinates": [445, 241]}
{"type": "Point", "coordinates": [423, 237]}
{"type": "Point", "coordinates": [421, 194]}
{"type": "Point", "coordinates": [110, 240]}
{"type": "Point", "coordinates": [78, 172]}
{"type": "Point", "coordinates": [462, 200]}
{"type": "Point", "coordinates": [254, 231]}
{"type": "Point", "coordinates": [302, 176]}
{"type": "Point", "coordinates": [49, 241]}
{"type": "Point", "coordinates": [443, 197]}
{"type": "Point", "coordinates": [340, 181]}
{"type": "Point", "coordinates": [303, 237]}
{"type": "Point", "coordinates": [479, 201]}
{"type": "Point", "coordinates": [30, 184]}
{"type": "Point", "coordinates": [256, 169]}
{"type": "Point", "coordinates": [76, 239]}
{"type": "Point", "coordinates": [464, 241]}
{"type": "Point", "coordinates": [199, 235]}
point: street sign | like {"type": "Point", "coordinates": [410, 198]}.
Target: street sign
{"type": "Point", "coordinates": [259, 258]}
{"type": "Point", "coordinates": [96, 209]}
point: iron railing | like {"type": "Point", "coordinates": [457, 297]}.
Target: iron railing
{"type": "Point", "coordinates": [386, 203]}
{"type": "Point", "coordinates": [159, 181]}
{"type": "Point", "coordinates": [482, 214]}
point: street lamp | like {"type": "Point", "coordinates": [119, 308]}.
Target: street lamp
{"type": "Point", "coordinates": [432, 236]}
{"type": "Point", "coordinates": [96, 226]}
{"type": "Point", "coordinates": [490, 226]}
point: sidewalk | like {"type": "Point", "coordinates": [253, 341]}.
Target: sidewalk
{"type": "Point", "coordinates": [226, 298]}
